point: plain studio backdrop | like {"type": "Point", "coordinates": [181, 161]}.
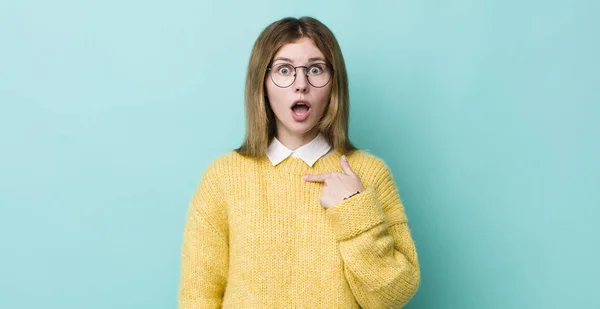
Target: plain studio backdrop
{"type": "Point", "coordinates": [487, 113]}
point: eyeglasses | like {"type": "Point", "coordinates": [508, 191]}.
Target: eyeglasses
{"type": "Point", "coordinates": [284, 75]}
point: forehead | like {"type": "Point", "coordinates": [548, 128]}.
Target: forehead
{"type": "Point", "coordinates": [299, 51]}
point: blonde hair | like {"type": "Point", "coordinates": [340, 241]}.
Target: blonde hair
{"type": "Point", "coordinates": [260, 119]}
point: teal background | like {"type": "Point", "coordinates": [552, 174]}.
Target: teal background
{"type": "Point", "coordinates": [486, 111]}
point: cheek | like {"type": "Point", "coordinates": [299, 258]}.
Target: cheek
{"type": "Point", "coordinates": [276, 97]}
{"type": "Point", "coordinates": [324, 98]}
{"type": "Point", "coordinates": [269, 91]}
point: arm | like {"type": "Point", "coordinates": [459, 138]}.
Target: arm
{"type": "Point", "coordinates": [380, 259]}
{"type": "Point", "coordinates": [204, 256]}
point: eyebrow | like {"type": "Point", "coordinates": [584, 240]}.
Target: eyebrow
{"type": "Point", "coordinates": [309, 60]}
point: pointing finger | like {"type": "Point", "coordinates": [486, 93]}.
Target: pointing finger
{"type": "Point", "coordinates": [316, 177]}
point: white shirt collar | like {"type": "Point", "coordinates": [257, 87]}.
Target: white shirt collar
{"type": "Point", "coordinates": [309, 153]}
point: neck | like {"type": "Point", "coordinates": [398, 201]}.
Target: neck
{"type": "Point", "coordinates": [295, 141]}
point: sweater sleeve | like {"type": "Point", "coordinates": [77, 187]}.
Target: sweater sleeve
{"type": "Point", "coordinates": [380, 259]}
{"type": "Point", "coordinates": [204, 254]}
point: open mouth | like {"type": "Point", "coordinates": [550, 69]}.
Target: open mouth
{"type": "Point", "coordinates": [300, 108]}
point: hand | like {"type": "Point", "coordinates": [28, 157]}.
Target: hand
{"type": "Point", "coordinates": [337, 185]}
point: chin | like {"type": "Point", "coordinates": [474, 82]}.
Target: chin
{"type": "Point", "coordinates": [301, 128]}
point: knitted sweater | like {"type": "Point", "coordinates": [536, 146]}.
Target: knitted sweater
{"type": "Point", "coordinates": [256, 236]}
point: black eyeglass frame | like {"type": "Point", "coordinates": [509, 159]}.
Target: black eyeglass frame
{"type": "Point", "coordinates": [270, 69]}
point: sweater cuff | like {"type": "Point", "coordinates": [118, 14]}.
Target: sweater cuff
{"type": "Point", "coordinates": [355, 215]}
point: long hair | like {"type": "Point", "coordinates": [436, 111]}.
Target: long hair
{"type": "Point", "coordinates": [260, 119]}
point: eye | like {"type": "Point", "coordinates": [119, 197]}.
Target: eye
{"type": "Point", "coordinates": [284, 69]}
{"type": "Point", "coordinates": [315, 69]}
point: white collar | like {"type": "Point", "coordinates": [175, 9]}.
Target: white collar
{"type": "Point", "coordinates": [309, 153]}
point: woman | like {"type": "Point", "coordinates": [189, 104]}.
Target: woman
{"type": "Point", "coordinates": [297, 217]}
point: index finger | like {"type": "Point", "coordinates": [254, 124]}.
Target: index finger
{"type": "Point", "coordinates": [316, 177]}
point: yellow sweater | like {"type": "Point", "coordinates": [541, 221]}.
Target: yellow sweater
{"type": "Point", "coordinates": [256, 236]}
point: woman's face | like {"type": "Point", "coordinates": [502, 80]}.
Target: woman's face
{"type": "Point", "coordinates": [294, 119]}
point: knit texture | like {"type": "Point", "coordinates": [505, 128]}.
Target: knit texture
{"type": "Point", "coordinates": [256, 236]}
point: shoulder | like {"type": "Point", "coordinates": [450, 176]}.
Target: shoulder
{"type": "Point", "coordinates": [217, 170]}
{"type": "Point", "coordinates": [368, 162]}
{"type": "Point", "coordinates": [227, 172]}
{"type": "Point", "coordinates": [227, 164]}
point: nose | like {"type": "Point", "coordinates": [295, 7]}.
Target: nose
{"type": "Point", "coordinates": [301, 82]}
